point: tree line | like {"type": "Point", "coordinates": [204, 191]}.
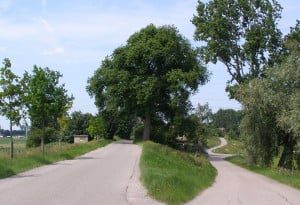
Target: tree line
{"type": "Point", "coordinates": [142, 88]}
{"type": "Point", "coordinates": [153, 75]}
{"type": "Point", "coordinates": [37, 96]}
{"type": "Point", "coordinates": [264, 66]}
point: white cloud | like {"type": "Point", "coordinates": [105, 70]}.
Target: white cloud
{"type": "Point", "coordinates": [54, 51]}
{"type": "Point", "coordinates": [46, 25]}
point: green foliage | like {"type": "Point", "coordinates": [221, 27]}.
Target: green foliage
{"type": "Point", "coordinates": [46, 100]}
{"type": "Point", "coordinates": [204, 113]}
{"type": "Point", "coordinates": [272, 112]}
{"type": "Point", "coordinates": [172, 176]}
{"type": "Point", "coordinates": [228, 119]}
{"type": "Point", "coordinates": [154, 72]}
{"type": "Point", "coordinates": [77, 124]}
{"type": "Point", "coordinates": [10, 97]}
{"type": "Point", "coordinates": [10, 94]}
{"type": "Point", "coordinates": [97, 127]}
{"type": "Point", "coordinates": [243, 35]}
{"type": "Point", "coordinates": [34, 138]}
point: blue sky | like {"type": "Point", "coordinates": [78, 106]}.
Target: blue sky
{"type": "Point", "coordinates": [73, 37]}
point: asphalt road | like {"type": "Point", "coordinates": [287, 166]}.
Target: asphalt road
{"type": "Point", "coordinates": [110, 176]}
{"type": "Point", "coordinates": [107, 176]}
{"type": "Point", "coordinates": [238, 186]}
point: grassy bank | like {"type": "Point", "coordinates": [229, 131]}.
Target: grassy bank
{"type": "Point", "coordinates": [213, 142]}
{"type": "Point", "coordinates": [233, 147]}
{"type": "Point", "coordinates": [172, 176]}
{"type": "Point", "coordinates": [32, 158]}
{"type": "Point", "coordinates": [285, 177]}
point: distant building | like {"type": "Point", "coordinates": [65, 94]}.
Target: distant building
{"type": "Point", "coordinates": [81, 139]}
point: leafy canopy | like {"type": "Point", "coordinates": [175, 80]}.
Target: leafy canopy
{"type": "Point", "coordinates": [272, 108]}
{"type": "Point", "coordinates": [46, 99]}
{"type": "Point", "coordinates": [243, 35]}
{"type": "Point", "coordinates": [153, 73]}
{"type": "Point", "coordinates": [10, 93]}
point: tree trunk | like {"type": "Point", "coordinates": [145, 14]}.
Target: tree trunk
{"type": "Point", "coordinates": [43, 143]}
{"type": "Point", "coordinates": [286, 159]}
{"type": "Point", "coordinates": [11, 142]}
{"type": "Point", "coordinates": [147, 126]}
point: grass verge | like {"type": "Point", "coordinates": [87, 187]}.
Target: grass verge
{"type": "Point", "coordinates": [213, 142]}
{"type": "Point", "coordinates": [34, 158]}
{"type": "Point", "coordinates": [172, 176]}
{"type": "Point", "coordinates": [233, 147]}
{"type": "Point", "coordinates": [291, 178]}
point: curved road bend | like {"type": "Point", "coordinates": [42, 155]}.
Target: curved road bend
{"type": "Point", "coordinates": [237, 186]}
{"type": "Point", "coordinates": [107, 176]}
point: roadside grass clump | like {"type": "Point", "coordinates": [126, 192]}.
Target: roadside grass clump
{"type": "Point", "coordinates": [213, 142]}
{"type": "Point", "coordinates": [172, 176]}
{"type": "Point", "coordinates": [33, 157]}
{"type": "Point", "coordinates": [233, 147]}
{"type": "Point", "coordinates": [291, 178]}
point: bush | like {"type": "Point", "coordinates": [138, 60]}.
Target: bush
{"type": "Point", "coordinates": [97, 128]}
{"type": "Point", "coordinates": [34, 138]}
{"type": "Point", "coordinates": [298, 161]}
{"type": "Point", "coordinates": [138, 132]}
{"type": "Point", "coordinates": [232, 134]}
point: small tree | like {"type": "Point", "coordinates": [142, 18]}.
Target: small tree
{"type": "Point", "coordinates": [204, 113]}
{"type": "Point", "coordinates": [46, 99]}
{"type": "Point", "coordinates": [10, 98]}
{"type": "Point", "coordinates": [97, 127]}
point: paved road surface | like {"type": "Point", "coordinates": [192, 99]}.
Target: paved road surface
{"type": "Point", "coordinates": [107, 176]}
{"type": "Point", "coordinates": [237, 186]}
{"type": "Point", "coordinates": [110, 176]}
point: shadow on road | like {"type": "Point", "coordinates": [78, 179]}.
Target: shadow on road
{"type": "Point", "coordinates": [124, 142]}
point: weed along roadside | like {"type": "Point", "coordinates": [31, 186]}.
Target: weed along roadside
{"type": "Point", "coordinates": [32, 158]}
{"type": "Point", "coordinates": [172, 176]}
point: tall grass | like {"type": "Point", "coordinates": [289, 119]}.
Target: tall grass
{"type": "Point", "coordinates": [172, 176]}
{"type": "Point", "coordinates": [31, 158]}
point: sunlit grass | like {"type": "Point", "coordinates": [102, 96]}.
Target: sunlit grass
{"type": "Point", "coordinates": [172, 176]}
{"type": "Point", "coordinates": [213, 142]}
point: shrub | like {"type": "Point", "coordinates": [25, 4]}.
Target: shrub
{"type": "Point", "coordinates": [138, 132]}
{"type": "Point", "coordinates": [34, 138]}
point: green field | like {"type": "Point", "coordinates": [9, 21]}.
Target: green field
{"type": "Point", "coordinates": [233, 147]}
{"type": "Point", "coordinates": [19, 146]}
{"type": "Point", "coordinates": [30, 158]}
{"type": "Point", "coordinates": [172, 176]}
